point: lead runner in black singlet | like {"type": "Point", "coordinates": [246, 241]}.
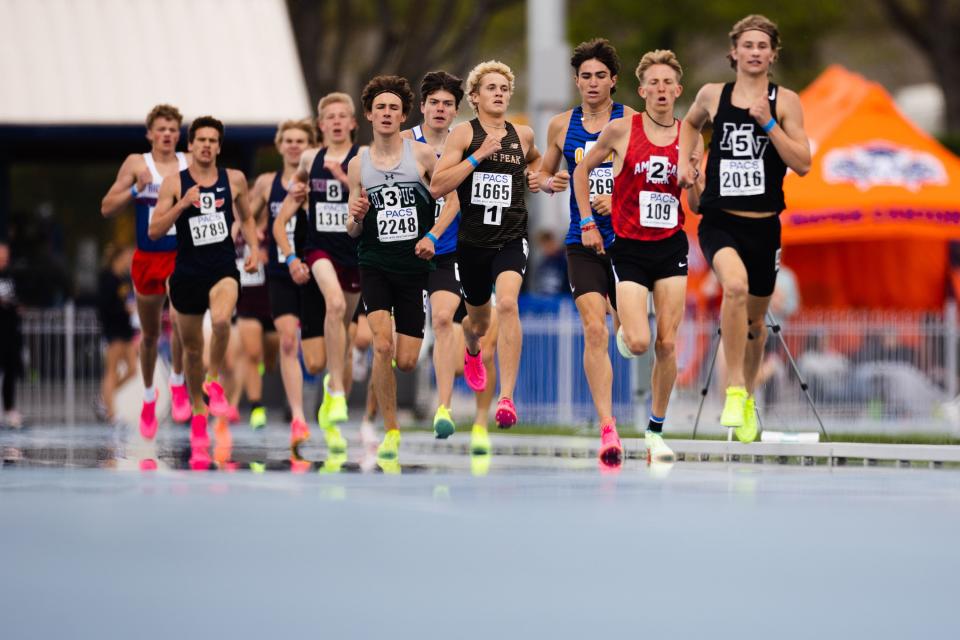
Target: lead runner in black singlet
{"type": "Point", "coordinates": [757, 134]}
{"type": "Point", "coordinates": [486, 161]}
{"type": "Point", "coordinates": [201, 201]}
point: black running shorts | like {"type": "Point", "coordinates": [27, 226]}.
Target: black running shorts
{"type": "Point", "coordinates": [590, 272]}
{"type": "Point", "coordinates": [646, 261]}
{"type": "Point", "coordinates": [403, 294]}
{"type": "Point", "coordinates": [190, 293]}
{"type": "Point", "coordinates": [756, 241]}
{"type": "Point", "coordinates": [446, 277]}
{"type": "Point", "coordinates": [480, 267]}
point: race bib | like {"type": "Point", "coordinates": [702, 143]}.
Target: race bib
{"type": "Point", "coordinates": [291, 229]}
{"type": "Point", "coordinates": [601, 182]}
{"type": "Point", "coordinates": [209, 228]}
{"type": "Point", "coordinates": [658, 210]}
{"type": "Point", "coordinates": [741, 177]}
{"type": "Point", "coordinates": [255, 279]}
{"type": "Point", "coordinates": [335, 190]}
{"type": "Point", "coordinates": [396, 222]}
{"type": "Point", "coordinates": [331, 217]}
{"type": "Point", "coordinates": [493, 192]}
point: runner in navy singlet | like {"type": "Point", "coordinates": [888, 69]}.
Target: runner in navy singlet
{"type": "Point", "coordinates": [139, 181]}
{"type": "Point", "coordinates": [757, 134]}
{"type": "Point", "coordinates": [570, 135]}
{"type": "Point", "coordinates": [201, 202]}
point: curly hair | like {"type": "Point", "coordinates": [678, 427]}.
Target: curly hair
{"type": "Point", "coordinates": [387, 84]}
{"type": "Point", "coordinates": [441, 81]}
{"type": "Point", "coordinates": [164, 111]}
{"type": "Point", "coordinates": [476, 77]}
{"type": "Point", "coordinates": [205, 121]}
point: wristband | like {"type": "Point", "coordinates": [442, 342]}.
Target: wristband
{"type": "Point", "coordinates": [133, 190]}
{"type": "Point", "coordinates": [771, 123]}
{"type": "Point", "coordinates": [290, 259]}
{"type": "Point", "coordinates": [473, 161]}
{"type": "Point", "coordinates": [432, 237]}
{"type": "Point", "coordinates": [585, 221]}
{"type": "Point", "coordinates": [589, 227]}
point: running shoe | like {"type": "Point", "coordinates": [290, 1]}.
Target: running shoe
{"type": "Point", "coordinates": [443, 425]}
{"type": "Point", "coordinates": [732, 415]}
{"type": "Point", "coordinates": [611, 451]}
{"type": "Point", "coordinates": [299, 432]}
{"type": "Point", "coordinates": [506, 413]}
{"type": "Point", "coordinates": [148, 420]}
{"type": "Point", "coordinates": [748, 432]}
{"type": "Point", "coordinates": [299, 465]}
{"type": "Point", "coordinates": [474, 372]}
{"type": "Point", "coordinates": [657, 449]}
{"type": "Point", "coordinates": [333, 464]}
{"type": "Point", "coordinates": [223, 443]}
{"type": "Point", "coordinates": [622, 345]}
{"type": "Point", "coordinates": [258, 418]}
{"type": "Point", "coordinates": [480, 464]}
{"type": "Point", "coordinates": [389, 467]}
{"type": "Point", "coordinates": [180, 409]}
{"type": "Point", "coordinates": [334, 408]}
{"type": "Point", "coordinates": [479, 441]}
{"type": "Point", "coordinates": [336, 443]}
{"type": "Point", "coordinates": [258, 467]}
{"type": "Point", "coordinates": [233, 415]}
{"type": "Point", "coordinates": [219, 406]}
{"type": "Point", "coordinates": [389, 449]}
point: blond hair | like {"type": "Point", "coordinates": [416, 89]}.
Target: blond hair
{"type": "Point", "coordinates": [304, 125]}
{"type": "Point", "coordinates": [482, 69]}
{"type": "Point", "coordinates": [333, 98]}
{"type": "Point", "coordinates": [754, 22]}
{"type": "Point", "coordinates": [164, 111]}
{"type": "Point", "coordinates": [659, 56]}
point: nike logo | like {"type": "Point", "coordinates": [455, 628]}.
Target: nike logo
{"type": "Point", "coordinates": [681, 264]}
{"type": "Point", "coordinates": [219, 189]}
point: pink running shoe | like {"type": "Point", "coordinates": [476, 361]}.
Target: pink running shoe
{"type": "Point", "coordinates": [474, 372]}
{"type": "Point", "coordinates": [198, 432]}
{"type": "Point", "coordinates": [506, 413]}
{"type": "Point", "coordinates": [148, 420]}
{"type": "Point", "coordinates": [219, 406]}
{"type": "Point", "coordinates": [180, 409]}
{"type": "Point", "coordinates": [611, 451]}
{"type": "Point", "coordinates": [299, 432]}
{"type": "Point", "coordinates": [233, 416]}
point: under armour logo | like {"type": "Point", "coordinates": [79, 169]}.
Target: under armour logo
{"type": "Point", "coordinates": [389, 177]}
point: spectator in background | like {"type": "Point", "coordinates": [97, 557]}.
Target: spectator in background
{"type": "Point", "coordinates": [550, 276]}
{"type": "Point", "coordinates": [11, 343]}
{"type": "Point", "coordinates": [114, 293]}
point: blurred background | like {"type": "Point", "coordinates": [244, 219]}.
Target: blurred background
{"type": "Point", "coordinates": [867, 295]}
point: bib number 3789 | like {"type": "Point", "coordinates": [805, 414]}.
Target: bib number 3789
{"type": "Point", "coordinates": [493, 192]}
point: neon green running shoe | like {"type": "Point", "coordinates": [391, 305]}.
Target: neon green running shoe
{"type": "Point", "coordinates": [657, 449]}
{"type": "Point", "coordinates": [323, 412]}
{"type": "Point", "coordinates": [732, 415]}
{"type": "Point", "coordinates": [480, 463]}
{"type": "Point", "coordinates": [337, 409]}
{"type": "Point", "coordinates": [389, 467]}
{"type": "Point", "coordinates": [336, 443]}
{"type": "Point", "coordinates": [443, 425]}
{"type": "Point", "coordinates": [748, 432]}
{"type": "Point", "coordinates": [479, 440]}
{"type": "Point", "coordinates": [333, 464]}
{"type": "Point", "coordinates": [258, 467]}
{"type": "Point", "coordinates": [258, 418]}
{"type": "Point", "coordinates": [389, 449]}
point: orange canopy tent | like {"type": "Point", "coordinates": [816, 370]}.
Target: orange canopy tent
{"type": "Point", "coordinates": [869, 225]}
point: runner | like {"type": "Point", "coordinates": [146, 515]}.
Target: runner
{"type": "Point", "coordinates": [650, 251]}
{"type": "Point", "coordinates": [571, 135]}
{"type": "Point", "coordinates": [758, 133]}
{"type": "Point", "coordinates": [486, 160]}
{"type": "Point", "coordinates": [329, 252]}
{"type": "Point", "coordinates": [392, 213]}
{"type": "Point", "coordinates": [200, 201]}
{"type": "Point", "coordinates": [139, 181]}
{"type": "Point", "coordinates": [292, 305]}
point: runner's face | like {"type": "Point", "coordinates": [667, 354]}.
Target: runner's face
{"type": "Point", "coordinates": [386, 114]}
{"type": "Point", "coordinates": [660, 88]}
{"type": "Point", "coordinates": [439, 110]}
{"type": "Point", "coordinates": [336, 123]}
{"type": "Point", "coordinates": [753, 53]}
{"type": "Point", "coordinates": [205, 146]}
{"type": "Point", "coordinates": [164, 134]}
{"type": "Point", "coordinates": [293, 143]}
{"type": "Point", "coordinates": [595, 82]}
{"type": "Point", "coordinates": [493, 94]}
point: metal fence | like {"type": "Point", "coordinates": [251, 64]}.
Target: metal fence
{"type": "Point", "coordinates": [867, 371]}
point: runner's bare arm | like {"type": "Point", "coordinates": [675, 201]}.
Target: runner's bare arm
{"type": "Point", "coordinates": [259, 195]}
{"type": "Point", "coordinates": [788, 135]}
{"type": "Point", "coordinates": [170, 206]}
{"type": "Point", "coordinates": [248, 226]}
{"type": "Point", "coordinates": [426, 160]}
{"type": "Point", "coordinates": [556, 133]}
{"type": "Point", "coordinates": [291, 204]}
{"type": "Point", "coordinates": [696, 190]}
{"type": "Point", "coordinates": [119, 195]}
{"type": "Point", "coordinates": [693, 122]}
{"type": "Point", "coordinates": [453, 168]}
{"type": "Point", "coordinates": [359, 204]}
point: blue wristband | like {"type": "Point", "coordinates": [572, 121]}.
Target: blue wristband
{"type": "Point", "coordinates": [290, 258]}
{"type": "Point", "coordinates": [770, 125]}
{"type": "Point", "coordinates": [585, 221]}
{"type": "Point", "coordinates": [133, 191]}
{"type": "Point", "coordinates": [432, 237]}
{"type": "Point", "coordinates": [473, 161]}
